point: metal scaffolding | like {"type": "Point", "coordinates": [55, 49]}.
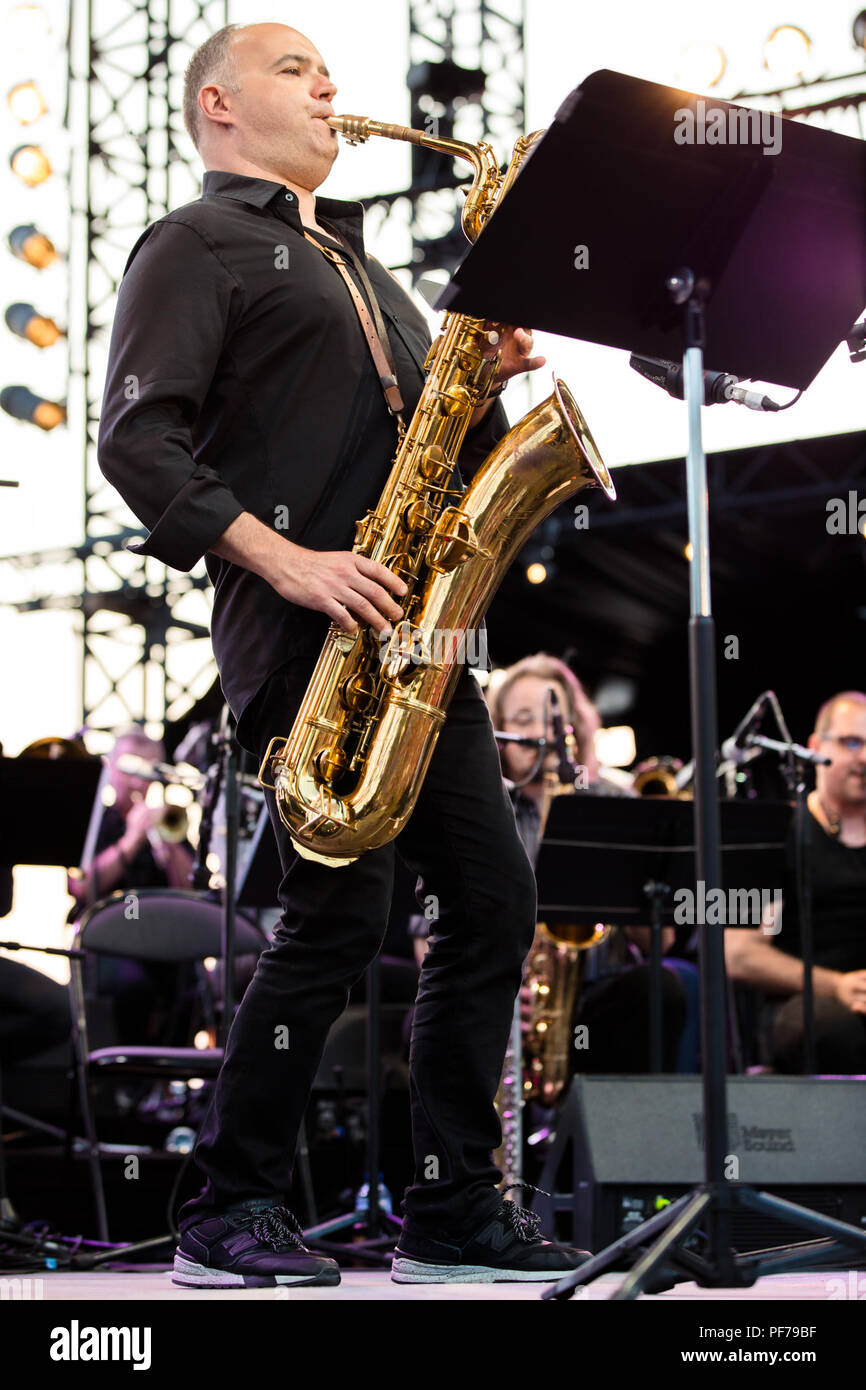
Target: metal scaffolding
{"type": "Point", "coordinates": [467, 80]}
{"type": "Point", "coordinates": [146, 656]}
{"type": "Point", "coordinates": [145, 649]}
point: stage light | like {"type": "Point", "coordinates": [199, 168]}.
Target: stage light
{"type": "Point", "coordinates": [26, 102]}
{"type": "Point", "coordinates": [700, 65]}
{"type": "Point", "coordinates": [786, 52]}
{"type": "Point", "coordinates": [30, 164]}
{"type": "Point", "coordinates": [688, 552]}
{"type": "Point", "coordinates": [27, 24]}
{"type": "Point", "coordinates": [859, 30]}
{"type": "Point", "coordinates": [615, 746]}
{"type": "Point", "coordinates": [539, 558]}
{"type": "Point", "coordinates": [30, 245]}
{"type": "Point", "coordinates": [22, 404]}
{"type": "Point", "coordinates": [24, 322]}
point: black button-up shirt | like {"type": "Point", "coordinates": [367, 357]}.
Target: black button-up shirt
{"type": "Point", "coordinates": [239, 380]}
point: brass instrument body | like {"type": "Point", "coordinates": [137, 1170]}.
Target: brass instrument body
{"type": "Point", "coordinates": [173, 825]}
{"type": "Point", "coordinates": [553, 975]}
{"type": "Point", "coordinates": [663, 776]}
{"type": "Point", "coordinates": [347, 777]}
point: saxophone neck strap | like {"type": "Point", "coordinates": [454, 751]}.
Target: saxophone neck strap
{"type": "Point", "coordinates": [375, 334]}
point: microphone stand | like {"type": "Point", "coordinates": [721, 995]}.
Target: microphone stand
{"type": "Point", "coordinates": [223, 771]}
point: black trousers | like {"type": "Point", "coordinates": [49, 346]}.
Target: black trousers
{"type": "Point", "coordinates": [616, 1013]}
{"type": "Point", "coordinates": [462, 840]}
{"type": "Point", "coordinates": [840, 1037]}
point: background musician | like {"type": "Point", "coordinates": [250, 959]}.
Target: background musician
{"type": "Point", "coordinates": [147, 1001]}
{"type": "Point", "coordinates": [613, 999]}
{"type": "Point", "coordinates": [127, 854]}
{"type": "Point", "coordinates": [768, 957]}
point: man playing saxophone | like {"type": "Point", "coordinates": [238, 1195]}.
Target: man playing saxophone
{"type": "Point", "coordinates": [243, 420]}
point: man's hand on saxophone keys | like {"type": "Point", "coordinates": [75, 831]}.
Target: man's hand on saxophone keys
{"type": "Point", "coordinates": [514, 346]}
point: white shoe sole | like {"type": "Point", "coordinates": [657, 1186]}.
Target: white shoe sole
{"type": "Point", "coordinates": [406, 1271]}
{"type": "Point", "coordinates": [188, 1274]}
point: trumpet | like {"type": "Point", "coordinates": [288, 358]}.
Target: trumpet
{"type": "Point", "coordinates": [663, 777]}
{"type": "Point", "coordinates": [173, 826]}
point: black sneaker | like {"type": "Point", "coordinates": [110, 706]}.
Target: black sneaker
{"type": "Point", "coordinates": [507, 1248]}
{"type": "Point", "coordinates": [252, 1246]}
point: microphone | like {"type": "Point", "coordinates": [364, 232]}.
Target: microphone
{"type": "Point", "coordinates": [669, 375]}
{"type": "Point", "coordinates": [565, 771]}
{"type": "Point", "coordinates": [519, 740]}
{"type": "Point", "coordinates": [738, 748]}
{"type": "Point", "coordinates": [752, 399]}
{"type": "Point", "coordinates": [719, 387]}
{"type": "Point", "coordinates": [148, 771]}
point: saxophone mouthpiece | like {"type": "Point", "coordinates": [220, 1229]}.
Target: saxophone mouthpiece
{"type": "Point", "coordinates": [354, 129]}
{"type": "Point", "coordinates": [357, 129]}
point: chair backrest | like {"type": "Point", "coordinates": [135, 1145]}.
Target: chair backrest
{"type": "Point", "coordinates": [163, 924]}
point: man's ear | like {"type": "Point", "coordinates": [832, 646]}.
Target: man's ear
{"type": "Point", "coordinates": [215, 103]}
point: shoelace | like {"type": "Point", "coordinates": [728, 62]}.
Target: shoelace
{"type": "Point", "coordinates": [278, 1227]}
{"type": "Point", "coordinates": [526, 1225]}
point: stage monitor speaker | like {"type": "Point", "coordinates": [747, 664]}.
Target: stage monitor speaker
{"type": "Point", "coordinates": [627, 1145]}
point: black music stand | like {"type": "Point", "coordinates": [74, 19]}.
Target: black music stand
{"type": "Point", "coordinates": [761, 259]}
{"type": "Point", "coordinates": [622, 860]}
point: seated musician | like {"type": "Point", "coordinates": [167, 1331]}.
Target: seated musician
{"type": "Point", "coordinates": [769, 957]}
{"type": "Point", "coordinates": [149, 998]}
{"type": "Point", "coordinates": [613, 998]}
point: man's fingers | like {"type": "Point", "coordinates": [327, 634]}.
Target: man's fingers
{"type": "Point", "coordinates": [339, 614]}
{"type": "Point", "coordinates": [378, 596]}
{"type": "Point", "coordinates": [372, 569]}
{"type": "Point", "coordinates": [366, 611]}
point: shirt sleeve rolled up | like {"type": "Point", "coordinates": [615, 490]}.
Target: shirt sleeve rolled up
{"type": "Point", "coordinates": [175, 308]}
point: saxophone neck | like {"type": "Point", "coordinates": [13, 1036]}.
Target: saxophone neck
{"type": "Point", "coordinates": [487, 181]}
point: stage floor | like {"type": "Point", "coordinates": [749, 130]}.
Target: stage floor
{"type": "Point", "coordinates": [154, 1284]}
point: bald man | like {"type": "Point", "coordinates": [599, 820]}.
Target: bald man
{"type": "Point", "coordinates": [768, 956]}
{"type": "Point", "coordinates": [244, 421]}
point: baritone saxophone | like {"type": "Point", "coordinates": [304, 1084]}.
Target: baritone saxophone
{"type": "Point", "coordinates": [347, 776]}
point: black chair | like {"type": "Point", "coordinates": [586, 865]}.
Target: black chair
{"type": "Point", "coordinates": [167, 926]}
{"type": "Point", "coordinates": [747, 1052]}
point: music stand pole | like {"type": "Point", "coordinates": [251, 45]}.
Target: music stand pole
{"type": "Point", "coordinates": [702, 679]}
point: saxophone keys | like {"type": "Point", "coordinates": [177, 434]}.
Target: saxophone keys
{"type": "Point", "coordinates": [418, 517]}
{"type": "Point", "coordinates": [456, 400]}
{"type": "Point", "coordinates": [453, 541]}
{"type": "Point", "coordinates": [330, 763]}
{"type": "Point", "coordinates": [433, 465]}
{"type": "Point", "coordinates": [357, 692]}
{"type": "Point", "coordinates": [405, 649]}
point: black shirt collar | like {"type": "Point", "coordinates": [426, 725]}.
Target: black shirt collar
{"type": "Point", "coordinates": [347, 217]}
